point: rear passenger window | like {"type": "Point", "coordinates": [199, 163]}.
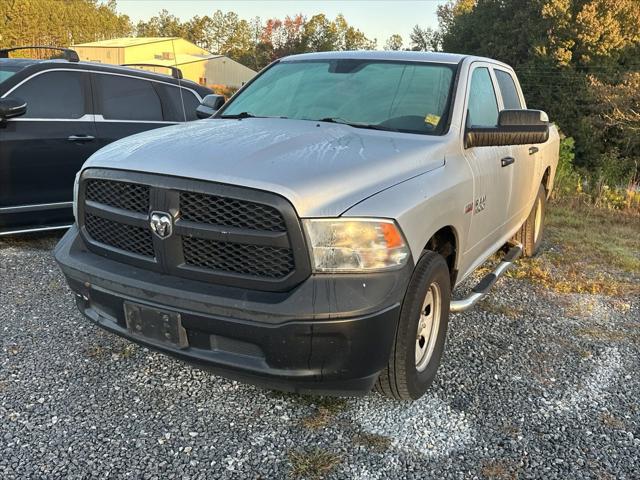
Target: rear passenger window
{"type": "Point", "coordinates": [508, 90]}
{"type": "Point", "coordinates": [172, 103]}
{"type": "Point", "coordinates": [126, 98]}
{"type": "Point", "coordinates": [53, 95]}
{"type": "Point", "coordinates": [483, 107]}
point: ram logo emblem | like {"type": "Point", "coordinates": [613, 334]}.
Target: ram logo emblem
{"type": "Point", "coordinates": [161, 224]}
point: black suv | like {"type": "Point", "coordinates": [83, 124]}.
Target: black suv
{"type": "Point", "coordinates": [55, 113]}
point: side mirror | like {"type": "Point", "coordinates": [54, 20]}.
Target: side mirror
{"type": "Point", "coordinates": [209, 105]}
{"type": "Point", "coordinates": [515, 127]}
{"type": "Point", "coordinates": [11, 108]}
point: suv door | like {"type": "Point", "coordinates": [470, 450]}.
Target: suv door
{"type": "Point", "coordinates": [125, 105]}
{"type": "Point", "coordinates": [525, 179]}
{"type": "Point", "coordinates": [42, 151]}
{"type": "Point", "coordinates": [492, 170]}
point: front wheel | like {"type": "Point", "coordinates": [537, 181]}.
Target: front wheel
{"type": "Point", "coordinates": [532, 230]}
{"type": "Point", "coordinates": [421, 332]}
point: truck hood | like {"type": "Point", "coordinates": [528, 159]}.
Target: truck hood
{"type": "Point", "coordinates": [321, 168]}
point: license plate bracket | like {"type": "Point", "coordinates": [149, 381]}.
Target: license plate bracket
{"type": "Point", "coordinates": [155, 325]}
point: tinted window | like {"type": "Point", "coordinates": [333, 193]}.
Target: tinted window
{"type": "Point", "coordinates": [7, 71]}
{"type": "Point", "coordinates": [126, 98]}
{"type": "Point", "coordinates": [508, 90]}
{"type": "Point", "coordinates": [403, 96]}
{"type": "Point", "coordinates": [53, 95]}
{"type": "Point", "coordinates": [483, 107]}
{"type": "Point", "coordinates": [172, 103]}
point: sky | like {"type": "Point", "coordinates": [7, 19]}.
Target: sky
{"type": "Point", "coordinates": [377, 19]}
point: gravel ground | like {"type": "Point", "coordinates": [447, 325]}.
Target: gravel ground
{"type": "Point", "coordinates": [533, 385]}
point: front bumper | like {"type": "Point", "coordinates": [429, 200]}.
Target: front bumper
{"type": "Point", "coordinates": [330, 334]}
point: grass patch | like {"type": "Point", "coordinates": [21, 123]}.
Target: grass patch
{"type": "Point", "coordinates": [605, 237]}
{"type": "Point", "coordinates": [612, 422]}
{"type": "Point", "coordinates": [491, 306]}
{"type": "Point", "coordinates": [594, 251]}
{"type": "Point", "coordinates": [570, 346]}
{"type": "Point", "coordinates": [498, 470]}
{"type": "Point", "coordinates": [95, 351]}
{"type": "Point", "coordinates": [326, 410]}
{"type": "Point", "coordinates": [14, 349]}
{"type": "Point", "coordinates": [373, 441]}
{"type": "Point", "coordinates": [128, 350]}
{"type": "Point", "coordinates": [312, 464]}
{"type": "Point", "coordinates": [582, 308]}
{"type": "Point", "coordinates": [605, 335]}
{"type": "Point", "coordinates": [123, 350]}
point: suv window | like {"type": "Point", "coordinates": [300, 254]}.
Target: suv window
{"type": "Point", "coordinates": [7, 71]}
{"type": "Point", "coordinates": [172, 103]}
{"type": "Point", "coordinates": [126, 98]}
{"type": "Point", "coordinates": [508, 90]}
{"type": "Point", "coordinates": [53, 95]}
{"type": "Point", "coordinates": [483, 106]}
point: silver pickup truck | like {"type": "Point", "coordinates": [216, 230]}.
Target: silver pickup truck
{"type": "Point", "coordinates": [308, 236]}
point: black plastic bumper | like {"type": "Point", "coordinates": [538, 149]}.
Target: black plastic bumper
{"type": "Point", "coordinates": [330, 334]}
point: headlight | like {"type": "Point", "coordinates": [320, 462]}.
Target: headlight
{"type": "Point", "coordinates": [355, 244]}
{"type": "Point", "coordinates": [75, 196]}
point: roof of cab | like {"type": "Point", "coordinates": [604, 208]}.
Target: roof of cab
{"type": "Point", "coordinates": [400, 55]}
{"type": "Point", "coordinates": [439, 57]}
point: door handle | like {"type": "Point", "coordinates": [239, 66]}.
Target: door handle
{"type": "Point", "coordinates": [81, 138]}
{"type": "Point", "coordinates": [506, 161]}
{"type": "Point", "coordinates": [533, 150]}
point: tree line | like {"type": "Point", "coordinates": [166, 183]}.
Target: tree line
{"type": "Point", "coordinates": [579, 60]}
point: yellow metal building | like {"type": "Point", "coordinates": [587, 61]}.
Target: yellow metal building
{"type": "Point", "coordinates": [196, 63]}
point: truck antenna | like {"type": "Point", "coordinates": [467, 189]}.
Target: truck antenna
{"type": "Point", "coordinates": [175, 63]}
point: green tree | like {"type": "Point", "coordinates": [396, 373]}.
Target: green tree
{"type": "Point", "coordinates": [59, 23]}
{"type": "Point", "coordinates": [571, 56]}
{"type": "Point", "coordinates": [321, 34]}
{"type": "Point", "coordinates": [162, 25]}
{"type": "Point", "coordinates": [394, 42]}
{"type": "Point", "coordinates": [424, 39]}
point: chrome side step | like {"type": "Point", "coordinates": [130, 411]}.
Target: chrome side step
{"type": "Point", "coordinates": [483, 287]}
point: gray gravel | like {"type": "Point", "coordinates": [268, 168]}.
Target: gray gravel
{"type": "Point", "coordinates": [542, 386]}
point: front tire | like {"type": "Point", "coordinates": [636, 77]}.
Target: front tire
{"type": "Point", "coordinates": [532, 230]}
{"type": "Point", "coordinates": [421, 332]}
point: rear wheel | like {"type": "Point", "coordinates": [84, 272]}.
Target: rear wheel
{"type": "Point", "coordinates": [421, 332]}
{"type": "Point", "coordinates": [532, 230]}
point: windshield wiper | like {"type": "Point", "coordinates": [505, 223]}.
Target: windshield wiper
{"type": "Point", "coordinates": [240, 115]}
{"type": "Point", "coordinates": [370, 126]}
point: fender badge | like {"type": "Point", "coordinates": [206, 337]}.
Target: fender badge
{"type": "Point", "coordinates": [468, 208]}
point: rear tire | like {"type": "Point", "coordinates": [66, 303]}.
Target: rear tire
{"type": "Point", "coordinates": [421, 331]}
{"type": "Point", "coordinates": [532, 230]}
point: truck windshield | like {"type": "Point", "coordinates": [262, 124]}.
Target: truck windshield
{"type": "Point", "coordinates": [408, 97]}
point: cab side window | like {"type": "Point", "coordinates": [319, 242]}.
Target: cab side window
{"type": "Point", "coordinates": [126, 98]}
{"type": "Point", "coordinates": [53, 95]}
{"type": "Point", "coordinates": [483, 106]}
{"type": "Point", "coordinates": [508, 90]}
